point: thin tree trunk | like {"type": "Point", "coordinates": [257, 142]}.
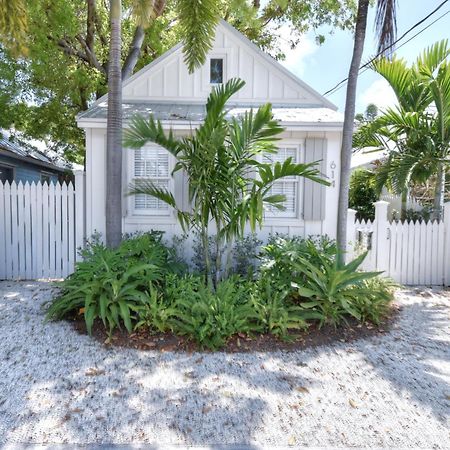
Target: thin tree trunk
{"type": "Point", "coordinates": [206, 255]}
{"type": "Point", "coordinates": [114, 132]}
{"type": "Point", "coordinates": [404, 204]}
{"type": "Point", "coordinates": [439, 193]}
{"type": "Point", "coordinates": [218, 255]}
{"type": "Point", "coordinates": [349, 117]}
{"type": "Point", "coordinates": [133, 55]}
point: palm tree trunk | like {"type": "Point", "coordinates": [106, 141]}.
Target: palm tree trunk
{"type": "Point", "coordinates": [206, 255]}
{"type": "Point", "coordinates": [439, 193]}
{"type": "Point", "coordinates": [404, 204]}
{"type": "Point", "coordinates": [114, 132]}
{"type": "Point", "coordinates": [349, 117]}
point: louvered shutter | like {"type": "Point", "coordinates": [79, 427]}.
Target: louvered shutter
{"type": "Point", "coordinates": [314, 193]}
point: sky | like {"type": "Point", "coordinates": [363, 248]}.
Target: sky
{"type": "Point", "coordinates": [322, 67]}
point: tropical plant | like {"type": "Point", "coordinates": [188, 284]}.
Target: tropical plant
{"type": "Point", "coordinates": [363, 194]}
{"type": "Point", "coordinates": [211, 317]}
{"type": "Point", "coordinates": [276, 312]}
{"type": "Point", "coordinates": [228, 183]}
{"type": "Point", "coordinates": [112, 284]}
{"type": "Point", "coordinates": [280, 256]}
{"type": "Point", "coordinates": [416, 133]}
{"type": "Point", "coordinates": [385, 22]}
{"type": "Point", "coordinates": [337, 290]}
{"type": "Point", "coordinates": [245, 255]}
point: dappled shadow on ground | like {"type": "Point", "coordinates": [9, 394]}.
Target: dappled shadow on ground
{"type": "Point", "coordinates": [416, 358]}
{"type": "Point", "coordinates": [59, 386]}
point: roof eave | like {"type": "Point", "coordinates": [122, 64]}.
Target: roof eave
{"type": "Point", "coordinates": [31, 160]}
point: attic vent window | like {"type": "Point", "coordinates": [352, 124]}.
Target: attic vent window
{"type": "Point", "coordinates": [216, 71]}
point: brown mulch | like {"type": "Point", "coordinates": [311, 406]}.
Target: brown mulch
{"type": "Point", "coordinates": [313, 337]}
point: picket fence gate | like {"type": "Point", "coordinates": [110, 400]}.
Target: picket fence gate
{"type": "Point", "coordinates": [411, 253]}
{"type": "Point", "coordinates": [41, 227]}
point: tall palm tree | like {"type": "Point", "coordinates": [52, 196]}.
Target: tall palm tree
{"type": "Point", "coordinates": [221, 160]}
{"type": "Point", "coordinates": [13, 25]}
{"type": "Point", "coordinates": [385, 22]}
{"type": "Point", "coordinates": [416, 133]}
{"type": "Point", "coordinates": [198, 20]}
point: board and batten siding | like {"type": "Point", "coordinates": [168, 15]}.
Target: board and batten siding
{"type": "Point", "coordinates": [168, 78]}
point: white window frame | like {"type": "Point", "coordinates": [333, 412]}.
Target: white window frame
{"type": "Point", "coordinates": [171, 187]}
{"type": "Point", "coordinates": [275, 214]}
{"type": "Point", "coordinates": [224, 68]}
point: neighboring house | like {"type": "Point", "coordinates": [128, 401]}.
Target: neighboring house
{"type": "Point", "coordinates": [164, 88]}
{"type": "Point", "coordinates": [22, 162]}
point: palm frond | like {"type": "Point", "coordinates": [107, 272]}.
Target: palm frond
{"type": "Point", "coordinates": [142, 131]}
{"type": "Point", "coordinates": [198, 20]}
{"type": "Point", "coordinates": [386, 25]}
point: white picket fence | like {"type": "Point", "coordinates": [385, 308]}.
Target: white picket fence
{"type": "Point", "coordinates": [412, 253]}
{"type": "Point", "coordinates": [41, 226]}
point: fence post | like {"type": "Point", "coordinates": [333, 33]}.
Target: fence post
{"type": "Point", "coordinates": [447, 244]}
{"type": "Point", "coordinates": [351, 217]}
{"type": "Point", "coordinates": [80, 211]}
{"type": "Point", "coordinates": [380, 237]}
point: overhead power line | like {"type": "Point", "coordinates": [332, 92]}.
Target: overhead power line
{"type": "Point", "coordinates": [365, 65]}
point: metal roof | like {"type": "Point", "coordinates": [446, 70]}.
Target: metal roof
{"type": "Point", "coordinates": [25, 151]}
{"type": "Point", "coordinates": [196, 112]}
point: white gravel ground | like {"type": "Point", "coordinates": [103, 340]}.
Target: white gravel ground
{"type": "Point", "coordinates": [392, 390]}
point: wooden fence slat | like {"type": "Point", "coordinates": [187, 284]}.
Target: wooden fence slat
{"type": "Point", "coordinates": [423, 253]}
{"type": "Point", "coordinates": [8, 218]}
{"type": "Point", "coordinates": [58, 229]}
{"type": "Point", "coordinates": [52, 230]}
{"type": "Point", "coordinates": [14, 231]}
{"type": "Point", "coordinates": [2, 233]}
{"type": "Point", "coordinates": [45, 232]}
{"type": "Point", "coordinates": [36, 212]}
{"type": "Point", "coordinates": [28, 245]}
{"type": "Point", "coordinates": [71, 228]}
{"type": "Point", "coordinates": [64, 232]}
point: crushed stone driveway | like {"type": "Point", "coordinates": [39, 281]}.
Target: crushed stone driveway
{"type": "Point", "coordinates": [390, 390]}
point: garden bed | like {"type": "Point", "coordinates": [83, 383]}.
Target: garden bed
{"type": "Point", "coordinates": [313, 337]}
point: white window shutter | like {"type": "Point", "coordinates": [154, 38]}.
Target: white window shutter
{"type": "Point", "coordinates": [314, 193]}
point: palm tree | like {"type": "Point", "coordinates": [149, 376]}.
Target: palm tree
{"type": "Point", "coordinates": [13, 25]}
{"type": "Point", "coordinates": [198, 20]}
{"type": "Point", "coordinates": [228, 182]}
{"type": "Point", "coordinates": [386, 30]}
{"type": "Point", "coordinates": [416, 133]}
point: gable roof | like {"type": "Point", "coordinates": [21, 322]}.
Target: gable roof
{"type": "Point", "coordinates": [137, 87]}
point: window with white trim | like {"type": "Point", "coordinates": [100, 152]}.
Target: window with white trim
{"type": "Point", "coordinates": [287, 186]}
{"type": "Point", "coordinates": [152, 163]}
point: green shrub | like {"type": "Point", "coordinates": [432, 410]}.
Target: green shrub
{"type": "Point", "coordinates": [363, 193]}
{"type": "Point", "coordinates": [211, 317]}
{"type": "Point", "coordinates": [113, 284]}
{"type": "Point", "coordinates": [279, 258]}
{"type": "Point", "coordinates": [338, 290]}
{"type": "Point", "coordinates": [276, 313]}
{"type": "Point", "coordinates": [245, 255]}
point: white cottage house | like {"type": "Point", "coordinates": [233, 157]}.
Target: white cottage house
{"type": "Point", "coordinates": [164, 88]}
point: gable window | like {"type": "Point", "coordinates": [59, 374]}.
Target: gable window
{"type": "Point", "coordinates": [151, 163]}
{"type": "Point", "coordinates": [6, 174]}
{"type": "Point", "coordinates": [287, 186]}
{"type": "Point", "coordinates": [216, 70]}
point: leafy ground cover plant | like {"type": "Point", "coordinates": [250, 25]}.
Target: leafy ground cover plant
{"type": "Point", "coordinates": [339, 290]}
{"type": "Point", "coordinates": [112, 284]}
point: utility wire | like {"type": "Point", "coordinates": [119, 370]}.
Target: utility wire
{"type": "Point", "coordinates": [338, 85]}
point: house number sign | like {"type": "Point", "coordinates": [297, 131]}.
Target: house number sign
{"type": "Point", "coordinates": [332, 167]}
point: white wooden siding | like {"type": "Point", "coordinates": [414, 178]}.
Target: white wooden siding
{"type": "Point", "coordinates": [170, 80]}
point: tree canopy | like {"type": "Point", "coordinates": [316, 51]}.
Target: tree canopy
{"type": "Point", "coordinates": [64, 67]}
